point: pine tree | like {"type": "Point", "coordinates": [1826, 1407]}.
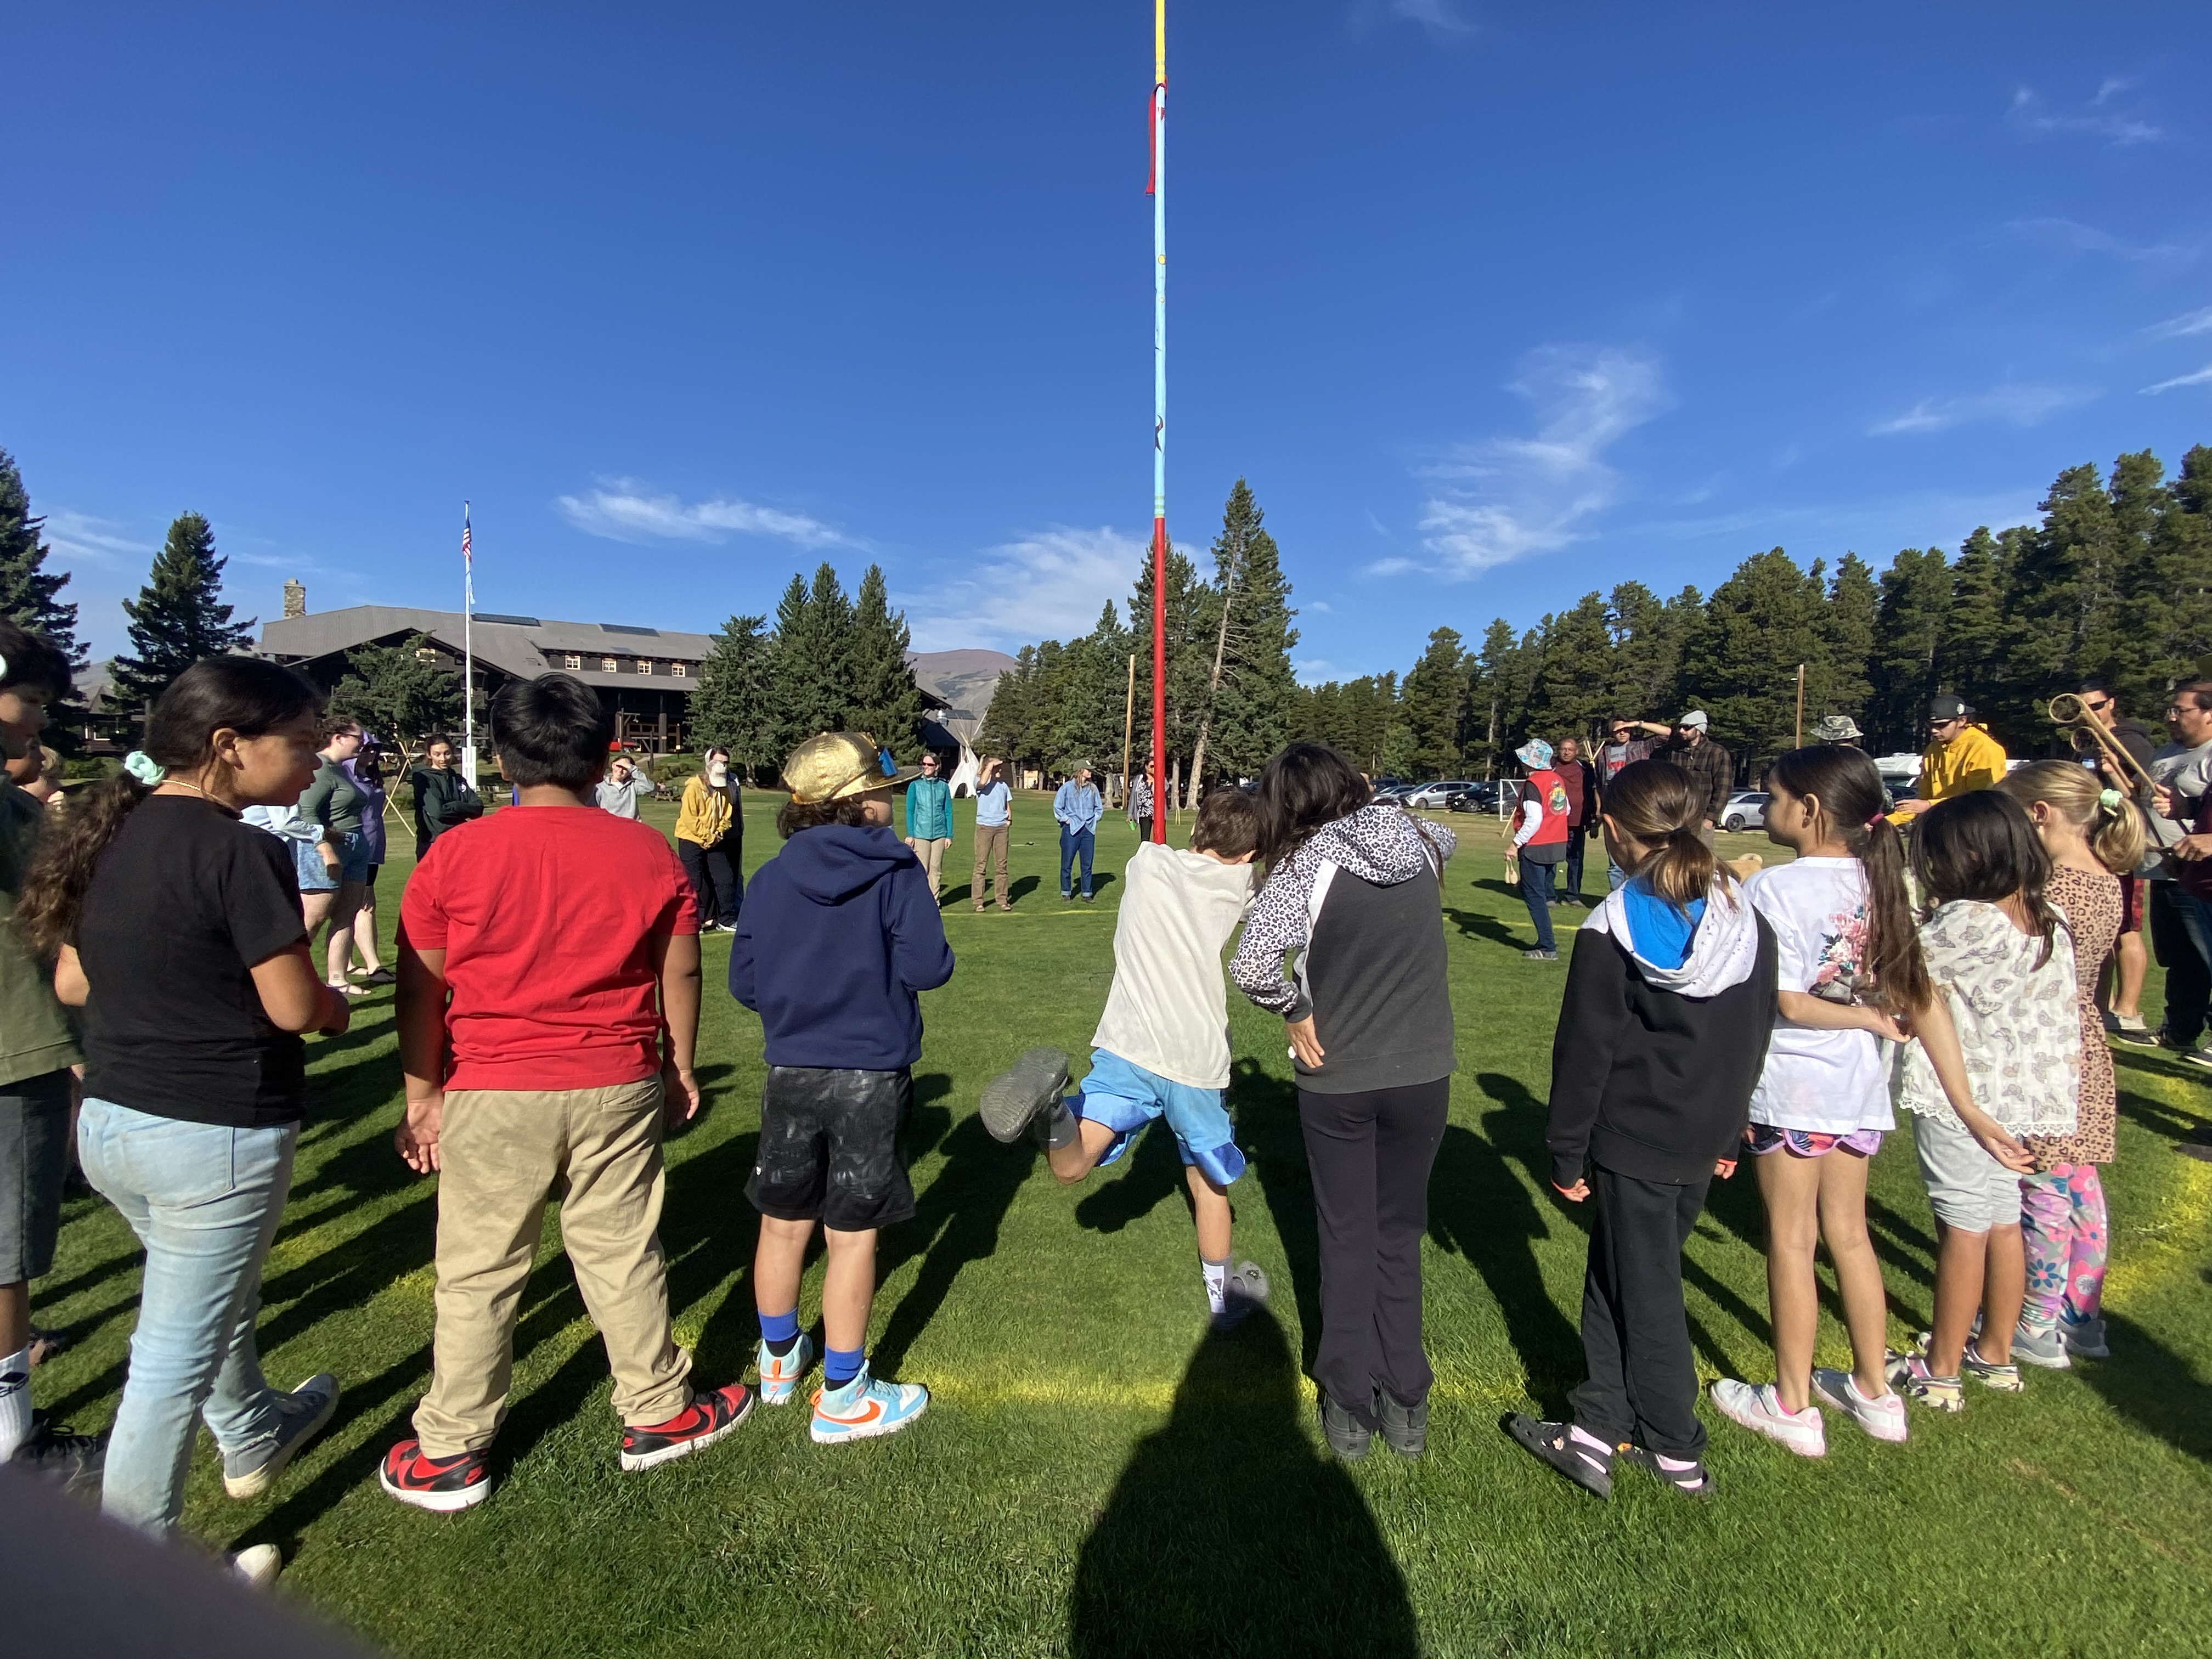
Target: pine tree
{"type": "Point", "coordinates": [1497, 692]}
{"type": "Point", "coordinates": [405, 692]}
{"type": "Point", "coordinates": [1009, 724]}
{"type": "Point", "coordinates": [29, 594]}
{"type": "Point", "coordinates": [1848, 628]}
{"type": "Point", "coordinates": [1740, 663]}
{"type": "Point", "coordinates": [1249, 686]}
{"type": "Point", "coordinates": [2066, 591]}
{"type": "Point", "coordinates": [735, 703]}
{"type": "Point", "coordinates": [1093, 697]}
{"type": "Point", "coordinates": [1571, 688]}
{"type": "Point", "coordinates": [1433, 703]}
{"type": "Point", "coordinates": [1909, 623]}
{"type": "Point", "coordinates": [1647, 649]}
{"type": "Point", "coordinates": [1193, 622]}
{"type": "Point", "coordinates": [2170, 610]}
{"type": "Point", "coordinates": [813, 659]}
{"type": "Point", "coordinates": [1976, 634]}
{"type": "Point", "coordinates": [178, 618]}
{"type": "Point", "coordinates": [881, 696]}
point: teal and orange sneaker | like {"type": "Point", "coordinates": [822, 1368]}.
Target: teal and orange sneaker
{"type": "Point", "coordinates": [779, 1375]}
{"type": "Point", "coordinates": [865, 1408]}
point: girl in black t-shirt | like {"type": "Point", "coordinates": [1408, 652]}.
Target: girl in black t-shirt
{"type": "Point", "coordinates": [178, 930]}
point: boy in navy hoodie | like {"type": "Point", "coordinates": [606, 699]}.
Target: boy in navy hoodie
{"type": "Point", "coordinates": [839, 935]}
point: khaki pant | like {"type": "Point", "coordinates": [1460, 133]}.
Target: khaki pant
{"type": "Point", "coordinates": [931, 854]}
{"type": "Point", "coordinates": [990, 844]}
{"type": "Point", "coordinates": [502, 1152]}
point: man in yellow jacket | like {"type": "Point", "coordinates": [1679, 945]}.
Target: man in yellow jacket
{"type": "Point", "coordinates": [1960, 758]}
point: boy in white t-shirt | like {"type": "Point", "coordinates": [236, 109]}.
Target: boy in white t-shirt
{"type": "Point", "coordinates": [1162, 1045]}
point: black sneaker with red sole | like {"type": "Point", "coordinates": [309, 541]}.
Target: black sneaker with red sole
{"type": "Point", "coordinates": [439, 1484]}
{"type": "Point", "coordinates": [700, 1424]}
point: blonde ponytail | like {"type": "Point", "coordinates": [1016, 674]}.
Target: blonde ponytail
{"type": "Point", "coordinates": [2107, 819]}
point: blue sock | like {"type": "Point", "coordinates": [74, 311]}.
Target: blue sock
{"type": "Point", "coordinates": [780, 1331]}
{"type": "Point", "coordinates": [841, 1365]}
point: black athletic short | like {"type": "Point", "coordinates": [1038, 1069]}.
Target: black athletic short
{"type": "Point", "coordinates": [833, 1147]}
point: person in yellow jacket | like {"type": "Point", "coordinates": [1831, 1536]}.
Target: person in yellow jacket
{"type": "Point", "coordinates": [1960, 758]}
{"type": "Point", "coordinates": [710, 839]}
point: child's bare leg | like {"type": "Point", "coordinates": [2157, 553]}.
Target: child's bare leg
{"type": "Point", "coordinates": [848, 1286]}
{"type": "Point", "coordinates": [778, 1261]}
{"type": "Point", "coordinates": [2004, 1288]}
{"type": "Point", "coordinates": [1961, 1259]}
{"type": "Point", "coordinates": [1212, 1204]}
{"type": "Point", "coordinates": [1858, 1274]}
{"type": "Point", "coordinates": [1080, 1156]}
{"type": "Point", "coordinates": [1791, 1187]}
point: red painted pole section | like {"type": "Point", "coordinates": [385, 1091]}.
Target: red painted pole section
{"type": "Point", "coordinates": [1159, 679]}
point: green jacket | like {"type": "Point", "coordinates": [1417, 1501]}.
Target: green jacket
{"type": "Point", "coordinates": [35, 1034]}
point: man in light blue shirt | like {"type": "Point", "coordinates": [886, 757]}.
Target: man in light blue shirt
{"type": "Point", "coordinates": [929, 821]}
{"type": "Point", "coordinates": [1078, 806]}
{"type": "Point", "coordinates": [994, 812]}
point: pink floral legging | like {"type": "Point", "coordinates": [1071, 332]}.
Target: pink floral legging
{"type": "Point", "coordinates": [2062, 1224]}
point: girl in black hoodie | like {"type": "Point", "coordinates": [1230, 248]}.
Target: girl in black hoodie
{"type": "Point", "coordinates": [1669, 1001]}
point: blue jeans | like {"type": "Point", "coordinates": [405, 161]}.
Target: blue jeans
{"type": "Point", "coordinates": [2185, 981]}
{"type": "Point", "coordinates": [204, 1201]}
{"type": "Point", "coordinates": [1073, 841]}
{"type": "Point", "coordinates": [1577, 844]}
{"type": "Point", "coordinates": [1536, 894]}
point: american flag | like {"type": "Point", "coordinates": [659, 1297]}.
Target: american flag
{"type": "Point", "coordinates": [466, 559]}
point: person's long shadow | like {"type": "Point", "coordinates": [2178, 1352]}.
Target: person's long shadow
{"type": "Point", "coordinates": [956, 1222]}
{"type": "Point", "coordinates": [1474, 925]}
{"type": "Point", "coordinates": [1267, 1111]}
{"type": "Point", "coordinates": [1153, 1173]}
{"type": "Point", "coordinates": [1482, 1210]}
{"type": "Point", "coordinates": [1230, 1532]}
{"type": "Point", "coordinates": [2153, 1387]}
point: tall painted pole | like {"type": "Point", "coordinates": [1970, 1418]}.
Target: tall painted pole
{"type": "Point", "coordinates": [468, 653]}
{"type": "Point", "coordinates": [1159, 192]}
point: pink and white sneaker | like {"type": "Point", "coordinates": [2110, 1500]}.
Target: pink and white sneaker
{"type": "Point", "coordinates": [1883, 1418]}
{"type": "Point", "coordinates": [1759, 1409]}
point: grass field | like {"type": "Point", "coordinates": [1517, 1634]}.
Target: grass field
{"type": "Point", "coordinates": [1096, 1476]}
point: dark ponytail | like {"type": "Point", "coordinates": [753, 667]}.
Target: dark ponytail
{"type": "Point", "coordinates": [246, 694]}
{"type": "Point", "coordinates": [1843, 784]}
{"type": "Point", "coordinates": [1650, 802]}
{"type": "Point", "coordinates": [1983, 847]}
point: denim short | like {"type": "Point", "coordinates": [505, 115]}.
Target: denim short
{"type": "Point", "coordinates": [355, 856]}
{"type": "Point", "coordinates": [34, 1132]}
{"type": "Point", "coordinates": [1125, 1097]}
{"type": "Point", "coordinates": [1967, 1187]}
{"type": "Point", "coordinates": [315, 876]}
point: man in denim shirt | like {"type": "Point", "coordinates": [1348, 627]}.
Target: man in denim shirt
{"type": "Point", "coordinates": [1078, 808]}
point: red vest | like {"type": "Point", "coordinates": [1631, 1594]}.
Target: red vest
{"type": "Point", "coordinates": [1549, 790]}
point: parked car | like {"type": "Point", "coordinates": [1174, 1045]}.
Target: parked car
{"type": "Point", "coordinates": [1437, 796]}
{"type": "Point", "coordinates": [1746, 810]}
{"type": "Point", "coordinates": [1477, 798]}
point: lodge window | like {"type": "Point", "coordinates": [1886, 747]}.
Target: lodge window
{"type": "Point", "coordinates": [645, 664]}
{"type": "Point", "coordinates": [608, 665]}
{"type": "Point", "coordinates": [424, 654]}
{"type": "Point", "coordinates": [680, 669]}
{"type": "Point", "coordinates": [572, 661]}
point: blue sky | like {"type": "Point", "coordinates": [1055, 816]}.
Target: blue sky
{"type": "Point", "coordinates": [1493, 304]}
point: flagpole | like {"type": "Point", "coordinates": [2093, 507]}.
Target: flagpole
{"type": "Point", "coordinates": [468, 654]}
{"type": "Point", "coordinates": [1160, 193]}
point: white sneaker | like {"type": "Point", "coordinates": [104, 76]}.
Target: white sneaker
{"type": "Point", "coordinates": [259, 1566]}
{"type": "Point", "coordinates": [1883, 1418]}
{"type": "Point", "coordinates": [1760, 1409]}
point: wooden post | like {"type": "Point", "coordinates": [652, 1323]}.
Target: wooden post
{"type": "Point", "coordinates": [1800, 744]}
{"type": "Point", "coordinates": [1129, 724]}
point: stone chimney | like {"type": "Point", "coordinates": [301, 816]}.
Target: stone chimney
{"type": "Point", "coordinates": [295, 599]}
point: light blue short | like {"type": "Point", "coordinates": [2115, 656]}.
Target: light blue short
{"type": "Point", "coordinates": [315, 876]}
{"type": "Point", "coordinates": [1126, 1097]}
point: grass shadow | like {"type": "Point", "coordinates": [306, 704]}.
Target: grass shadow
{"type": "Point", "coordinates": [2153, 1387]}
{"type": "Point", "coordinates": [1153, 1173]}
{"type": "Point", "coordinates": [956, 1222]}
{"type": "Point", "coordinates": [1230, 1532]}
{"type": "Point", "coordinates": [1474, 925]}
{"type": "Point", "coordinates": [1266, 1107]}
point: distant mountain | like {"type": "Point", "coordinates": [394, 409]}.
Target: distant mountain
{"type": "Point", "coordinates": [965, 679]}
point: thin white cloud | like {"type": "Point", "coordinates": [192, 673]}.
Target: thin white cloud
{"type": "Point", "coordinates": [81, 538]}
{"type": "Point", "coordinates": [2202, 377]}
{"type": "Point", "coordinates": [2177, 328]}
{"type": "Point", "coordinates": [622, 510]}
{"type": "Point", "coordinates": [2102, 117]}
{"type": "Point", "coordinates": [2071, 236]}
{"type": "Point", "coordinates": [1506, 498]}
{"type": "Point", "coordinates": [1442, 20]}
{"type": "Point", "coordinates": [1050, 585]}
{"type": "Point", "coordinates": [2017, 405]}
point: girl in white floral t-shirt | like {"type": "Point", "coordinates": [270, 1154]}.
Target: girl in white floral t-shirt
{"type": "Point", "coordinates": [2004, 961]}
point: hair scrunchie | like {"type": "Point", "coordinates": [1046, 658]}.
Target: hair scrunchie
{"type": "Point", "coordinates": [2111, 801]}
{"type": "Point", "coordinates": [1873, 821]}
{"type": "Point", "coordinates": [144, 768]}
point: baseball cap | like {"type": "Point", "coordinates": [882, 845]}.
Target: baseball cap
{"type": "Point", "coordinates": [1836, 728]}
{"type": "Point", "coordinates": [1695, 718]}
{"type": "Point", "coordinates": [835, 764]}
{"type": "Point", "coordinates": [1948, 705]}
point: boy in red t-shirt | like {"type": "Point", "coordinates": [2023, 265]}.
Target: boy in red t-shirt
{"type": "Point", "coordinates": [553, 948]}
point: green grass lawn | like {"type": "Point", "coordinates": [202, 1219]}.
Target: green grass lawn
{"type": "Point", "coordinates": [1096, 1476]}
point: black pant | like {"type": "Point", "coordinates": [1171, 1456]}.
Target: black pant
{"type": "Point", "coordinates": [1369, 1156]}
{"type": "Point", "coordinates": [1144, 829]}
{"type": "Point", "coordinates": [1577, 844]}
{"type": "Point", "coordinates": [1636, 1337]}
{"type": "Point", "coordinates": [2188, 982]}
{"type": "Point", "coordinates": [716, 886]}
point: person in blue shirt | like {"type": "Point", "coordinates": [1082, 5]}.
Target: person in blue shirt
{"type": "Point", "coordinates": [929, 822]}
{"type": "Point", "coordinates": [1078, 808]}
{"type": "Point", "coordinates": [993, 812]}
